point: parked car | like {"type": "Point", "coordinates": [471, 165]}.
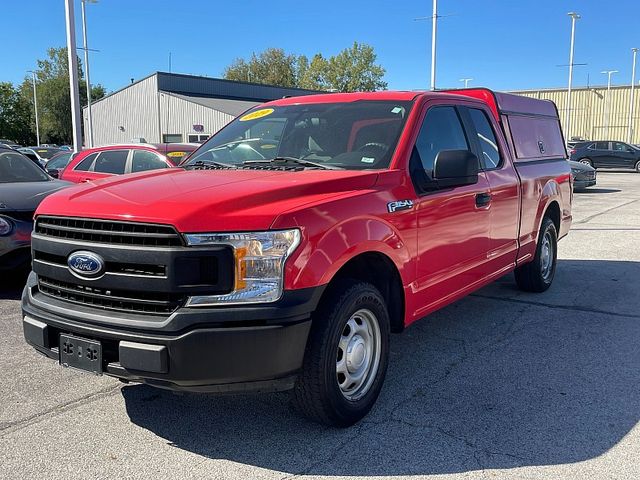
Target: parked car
{"type": "Point", "coordinates": [58, 163]}
{"type": "Point", "coordinates": [102, 162]}
{"type": "Point", "coordinates": [22, 187]}
{"type": "Point", "coordinates": [583, 175]}
{"type": "Point", "coordinates": [271, 262]}
{"type": "Point", "coordinates": [9, 143]}
{"type": "Point", "coordinates": [42, 154]}
{"type": "Point", "coordinates": [607, 154]}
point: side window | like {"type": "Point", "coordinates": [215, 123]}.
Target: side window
{"type": "Point", "coordinates": [111, 161]}
{"type": "Point", "coordinates": [488, 144]}
{"type": "Point", "coordinates": [144, 160]}
{"type": "Point", "coordinates": [441, 130]}
{"type": "Point", "coordinates": [619, 147]}
{"type": "Point", "coordinates": [601, 146]}
{"type": "Point", "coordinates": [85, 165]}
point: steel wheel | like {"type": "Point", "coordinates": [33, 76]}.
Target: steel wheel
{"type": "Point", "coordinates": [586, 161]}
{"type": "Point", "coordinates": [546, 256]}
{"type": "Point", "coordinates": [358, 355]}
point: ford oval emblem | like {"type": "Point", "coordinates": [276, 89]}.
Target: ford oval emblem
{"type": "Point", "coordinates": [86, 264]}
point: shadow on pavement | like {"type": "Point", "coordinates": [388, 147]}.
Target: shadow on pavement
{"type": "Point", "coordinates": [596, 190]}
{"type": "Point", "coordinates": [498, 380]}
{"type": "Point", "coordinates": [11, 285]}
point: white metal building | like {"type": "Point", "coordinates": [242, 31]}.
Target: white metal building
{"type": "Point", "coordinates": [169, 107]}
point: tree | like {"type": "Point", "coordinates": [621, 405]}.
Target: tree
{"type": "Point", "coordinates": [353, 69]}
{"type": "Point", "coordinates": [273, 66]}
{"type": "Point", "coordinates": [15, 115]}
{"type": "Point", "coordinates": [54, 98]}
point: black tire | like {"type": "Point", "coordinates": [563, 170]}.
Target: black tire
{"type": "Point", "coordinates": [638, 166]}
{"type": "Point", "coordinates": [587, 161]}
{"type": "Point", "coordinates": [317, 394]}
{"type": "Point", "coordinates": [537, 275]}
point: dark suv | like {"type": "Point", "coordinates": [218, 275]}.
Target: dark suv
{"type": "Point", "coordinates": [607, 154]}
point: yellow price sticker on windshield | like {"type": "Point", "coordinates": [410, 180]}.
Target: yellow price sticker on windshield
{"type": "Point", "coordinates": [257, 114]}
{"type": "Point", "coordinates": [175, 154]}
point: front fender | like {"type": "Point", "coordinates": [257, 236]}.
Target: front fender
{"type": "Point", "coordinates": [323, 254]}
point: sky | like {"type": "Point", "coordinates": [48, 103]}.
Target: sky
{"type": "Point", "coordinates": [501, 44]}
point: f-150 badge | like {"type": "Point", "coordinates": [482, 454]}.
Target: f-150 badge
{"type": "Point", "coordinates": [399, 205]}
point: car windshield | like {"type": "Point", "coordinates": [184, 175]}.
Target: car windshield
{"type": "Point", "coordinates": [15, 167]}
{"type": "Point", "coordinates": [60, 161]}
{"type": "Point", "coordinates": [348, 135]}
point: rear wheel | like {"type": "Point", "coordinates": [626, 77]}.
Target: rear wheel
{"type": "Point", "coordinates": [638, 166]}
{"type": "Point", "coordinates": [537, 276]}
{"type": "Point", "coordinates": [346, 357]}
{"type": "Point", "coordinates": [587, 161]}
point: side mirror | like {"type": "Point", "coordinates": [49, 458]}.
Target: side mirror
{"type": "Point", "coordinates": [54, 172]}
{"type": "Point", "coordinates": [455, 168]}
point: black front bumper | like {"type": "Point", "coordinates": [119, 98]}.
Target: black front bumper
{"type": "Point", "coordinates": [194, 349]}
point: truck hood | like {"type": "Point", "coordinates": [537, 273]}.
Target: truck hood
{"type": "Point", "coordinates": [204, 200]}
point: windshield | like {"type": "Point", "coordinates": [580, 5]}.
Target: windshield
{"type": "Point", "coordinates": [47, 152]}
{"type": "Point", "coordinates": [15, 167]}
{"type": "Point", "coordinates": [350, 135]}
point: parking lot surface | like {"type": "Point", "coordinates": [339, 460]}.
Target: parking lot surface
{"type": "Point", "coordinates": [502, 384]}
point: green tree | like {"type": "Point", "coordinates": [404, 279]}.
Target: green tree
{"type": "Point", "coordinates": [54, 98]}
{"type": "Point", "coordinates": [15, 115]}
{"type": "Point", "coordinates": [353, 69]}
{"type": "Point", "coordinates": [273, 67]}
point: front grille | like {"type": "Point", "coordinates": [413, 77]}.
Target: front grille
{"type": "Point", "coordinates": [108, 232]}
{"type": "Point", "coordinates": [122, 300]}
{"type": "Point", "coordinates": [119, 268]}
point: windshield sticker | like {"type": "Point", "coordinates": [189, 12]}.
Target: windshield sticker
{"type": "Point", "coordinates": [175, 154]}
{"type": "Point", "coordinates": [257, 114]}
{"type": "Point", "coordinates": [367, 159]}
{"type": "Point", "coordinates": [268, 146]}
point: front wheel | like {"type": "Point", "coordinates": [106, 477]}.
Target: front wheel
{"type": "Point", "coordinates": [346, 357]}
{"type": "Point", "coordinates": [536, 276]}
{"type": "Point", "coordinates": [638, 166]}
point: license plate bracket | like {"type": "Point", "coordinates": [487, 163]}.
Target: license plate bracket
{"type": "Point", "coordinates": [81, 353]}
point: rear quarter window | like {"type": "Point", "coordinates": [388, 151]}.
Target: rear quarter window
{"type": "Point", "coordinates": [536, 137]}
{"type": "Point", "coordinates": [85, 164]}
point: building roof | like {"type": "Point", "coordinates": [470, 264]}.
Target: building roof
{"type": "Point", "coordinates": [216, 88]}
{"type": "Point", "coordinates": [221, 88]}
{"type": "Point", "coordinates": [224, 105]}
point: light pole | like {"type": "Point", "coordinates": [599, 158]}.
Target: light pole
{"type": "Point", "coordinates": [73, 75]}
{"type": "Point", "coordinates": [434, 28]}
{"type": "Point", "coordinates": [607, 112]}
{"type": "Point", "coordinates": [631, 102]}
{"type": "Point", "coordinates": [35, 106]}
{"type": "Point", "coordinates": [87, 78]}
{"type": "Point", "coordinates": [466, 81]}
{"type": "Point", "coordinates": [567, 114]}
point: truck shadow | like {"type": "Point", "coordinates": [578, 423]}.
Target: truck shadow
{"type": "Point", "coordinates": [501, 379]}
{"type": "Point", "coordinates": [11, 285]}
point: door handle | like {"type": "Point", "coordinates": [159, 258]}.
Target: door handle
{"type": "Point", "coordinates": [483, 199]}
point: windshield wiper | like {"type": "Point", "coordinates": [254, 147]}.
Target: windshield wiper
{"type": "Point", "coordinates": [285, 160]}
{"type": "Point", "coordinates": [209, 164]}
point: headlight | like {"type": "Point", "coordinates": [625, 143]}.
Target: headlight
{"type": "Point", "coordinates": [259, 264]}
{"type": "Point", "coordinates": [5, 226]}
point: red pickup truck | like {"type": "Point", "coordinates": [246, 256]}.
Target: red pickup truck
{"type": "Point", "coordinates": [286, 249]}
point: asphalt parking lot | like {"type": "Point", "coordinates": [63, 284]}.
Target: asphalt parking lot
{"type": "Point", "coordinates": [502, 384]}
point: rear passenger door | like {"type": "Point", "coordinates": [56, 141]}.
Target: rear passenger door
{"type": "Point", "coordinates": [599, 154]}
{"type": "Point", "coordinates": [143, 160]}
{"type": "Point", "coordinates": [504, 189]}
{"type": "Point", "coordinates": [452, 228]}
